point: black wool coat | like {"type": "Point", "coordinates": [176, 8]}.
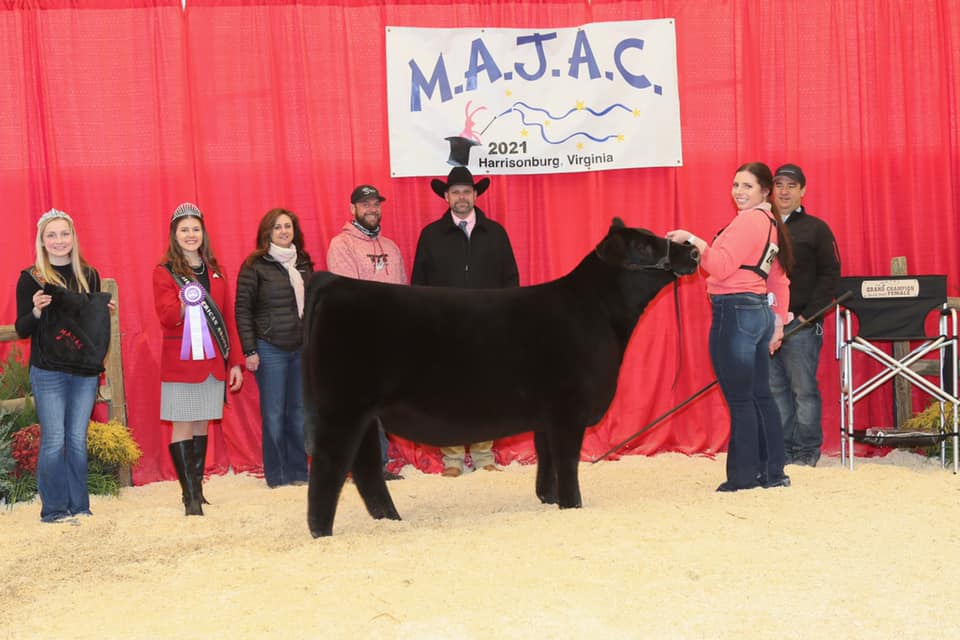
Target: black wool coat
{"type": "Point", "coordinates": [447, 258]}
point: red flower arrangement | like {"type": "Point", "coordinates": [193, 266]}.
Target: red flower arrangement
{"type": "Point", "coordinates": [25, 449]}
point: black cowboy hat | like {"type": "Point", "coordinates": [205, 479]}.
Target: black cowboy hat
{"type": "Point", "coordinates": [459, 175]}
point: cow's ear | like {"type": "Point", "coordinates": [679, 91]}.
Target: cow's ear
{"type": "Point", "coordinates": [613, 249]}
{"type": "Point", "coordinates": [617, 223]}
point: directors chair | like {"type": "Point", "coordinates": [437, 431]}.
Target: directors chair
{"type": "Point", "coordinates": [892, 309]}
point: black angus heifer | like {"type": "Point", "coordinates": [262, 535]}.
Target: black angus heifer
{"type": "Point", "coordinates": [447, 366]}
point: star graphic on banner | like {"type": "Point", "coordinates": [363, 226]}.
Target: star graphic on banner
{"type": "Point", "coordinates": [619, 137]}
{"type": "Point", "coordinates": [636, 113]}
{"type": "Point", "coordinates": [524, 133]}
{"type": "Point", "coordinates": [581, 105]}
{"type": "Point", "coordinates": [579, 146]}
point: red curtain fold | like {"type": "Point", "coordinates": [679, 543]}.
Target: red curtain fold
{"type": "Point", "coordinates": [118, 111]}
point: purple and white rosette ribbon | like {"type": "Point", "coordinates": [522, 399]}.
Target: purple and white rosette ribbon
{"type": "Point", "coordinates": [197, 343]}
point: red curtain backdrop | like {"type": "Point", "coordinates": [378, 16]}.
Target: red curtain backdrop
{"type": "Point", "coordinates": [118, 110]}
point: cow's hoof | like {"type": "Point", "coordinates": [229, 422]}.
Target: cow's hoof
{"type": "Point", "coordinates": [548, 499]}
{"type": "Point", "coordinates": [729, 487]}
{"type": "Point", "coordinates": [781, 481]}
{"type": "Point", "coordinates": [573, 505]}
{"type": "Point", "coordinates": [317, 533]}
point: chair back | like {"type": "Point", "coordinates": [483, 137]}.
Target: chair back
{"type": "Point", "coordinates": [893, 307]}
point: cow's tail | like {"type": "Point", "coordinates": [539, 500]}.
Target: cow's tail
{"type": "Point", "coordinates": [311, 311]}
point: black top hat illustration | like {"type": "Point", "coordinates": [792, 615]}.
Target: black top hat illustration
{"type": "Point", "coordinates": [460, 150]}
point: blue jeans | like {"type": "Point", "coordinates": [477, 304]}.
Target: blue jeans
{"type": "Point", "coordinates": [281, 414]}
{"type": "Point", "coordinates": [64, 403]}
{"type": "Point", "coordinates": [793, 381]}
{"type": "Point", "coordinates": [739, 349]}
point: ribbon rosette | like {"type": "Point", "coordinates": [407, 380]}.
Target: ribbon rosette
{"type": "Point", "coordinates": [197, 343]}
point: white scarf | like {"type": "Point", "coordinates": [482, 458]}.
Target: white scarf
{"type": "Point", "coordinates": [288, 258]}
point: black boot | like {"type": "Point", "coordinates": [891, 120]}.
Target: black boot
{"type": "Point", "coordinates": [183, 462]}
{"type": "Point", "coordinates": [200, 457]}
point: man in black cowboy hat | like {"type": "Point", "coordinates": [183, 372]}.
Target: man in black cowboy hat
{"type": "Point", "coordinates": [465, 249]}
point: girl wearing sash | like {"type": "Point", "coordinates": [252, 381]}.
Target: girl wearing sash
{"type": "Point", "coordinates": [270, 290]}
{"type": "Point", "coordinates": [64, 391]}
{"type": "Point", "coordinates": [749, 292]}
{"type": "Point", "coordinates": [191, 296]}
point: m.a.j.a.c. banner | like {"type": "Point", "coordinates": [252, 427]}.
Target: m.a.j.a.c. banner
{"type": "Point", "coordinates": [510, 101]}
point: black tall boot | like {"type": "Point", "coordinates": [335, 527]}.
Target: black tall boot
{"type": "Point", "coordinates": [183, 462]}
{"type": "Point", "coordinates": [200, 457]}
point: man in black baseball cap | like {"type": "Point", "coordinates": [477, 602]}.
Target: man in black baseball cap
{"type": "Point", "coordinates": [813, 282]}
{"type": "Point", "coordinates": [362, 252]}
{"type": "Point", "coordinates": [365, 203]}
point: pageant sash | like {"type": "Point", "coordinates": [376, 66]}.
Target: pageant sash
{"type": "Point", "coordinates": [202, 321]}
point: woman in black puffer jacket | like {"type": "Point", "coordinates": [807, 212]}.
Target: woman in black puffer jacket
{"type": "Point", "coordinates": [269, 310]}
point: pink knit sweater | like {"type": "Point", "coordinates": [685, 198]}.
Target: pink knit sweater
{"type": "Point", "coordinates": [356, 255]}
{"type": "Point", "coordinates": [742, 242]}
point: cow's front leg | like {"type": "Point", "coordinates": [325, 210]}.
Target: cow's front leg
{"type": "Point", "coordinates": [546, 472]}
{"type": "Point", "coordinates": [565, 444]}
{"type": "Point", "coordinates": [368, 475]}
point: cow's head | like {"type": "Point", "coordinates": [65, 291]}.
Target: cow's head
{"type": "Point", "coordinates": [642, 250]}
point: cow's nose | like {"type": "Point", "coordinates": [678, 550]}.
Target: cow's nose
{"type": "Point", "coordinates": [695, 254]}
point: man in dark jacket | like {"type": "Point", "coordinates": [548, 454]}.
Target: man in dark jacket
{"type": "Point", "coordinates": [813, 282]}
{"type": "Point", "coordinates": [465, 249]}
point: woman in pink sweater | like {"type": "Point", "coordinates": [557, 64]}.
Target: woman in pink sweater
{"type": "Point", "coordinates": [750, 295]}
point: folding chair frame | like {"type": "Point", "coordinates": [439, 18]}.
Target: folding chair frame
{"type": "Point", "coordinates": [851, 393]}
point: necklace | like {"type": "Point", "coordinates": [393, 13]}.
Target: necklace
{"type": "Point", "coordinates": [202, 269]}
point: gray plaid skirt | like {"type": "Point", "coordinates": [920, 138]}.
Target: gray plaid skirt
{"type": "Point", "coordinates": [191, 401]}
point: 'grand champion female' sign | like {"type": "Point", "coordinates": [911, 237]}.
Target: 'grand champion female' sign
{"type": "Point", "coordinates": [501, 101]}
